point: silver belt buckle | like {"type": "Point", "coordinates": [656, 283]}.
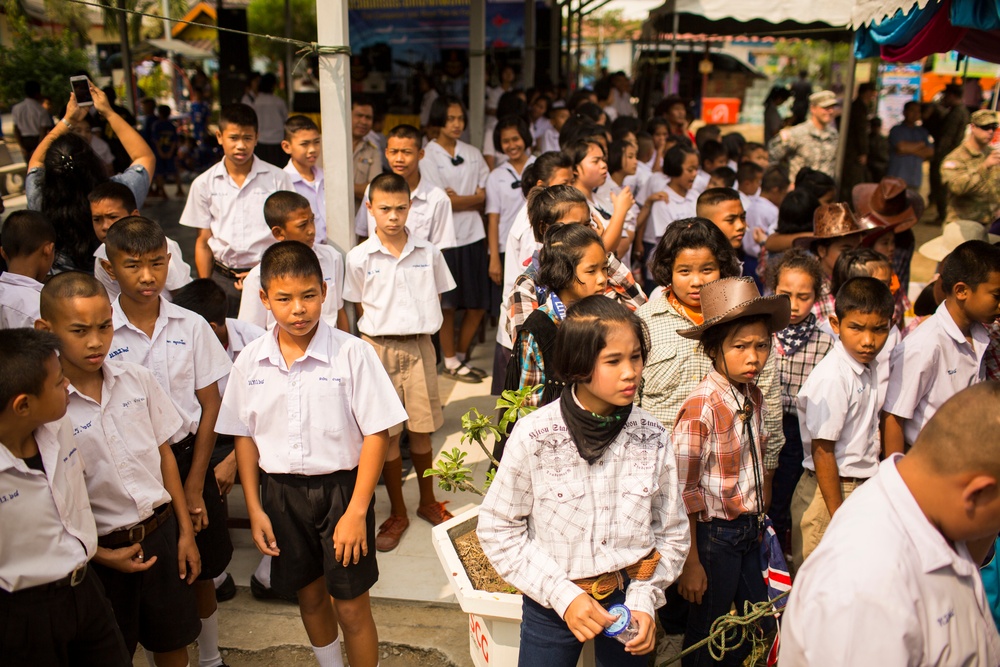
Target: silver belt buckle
{"type": "Point", "coordinates": [137, 533]}
{"type": "Point", "coordinates": [76, 578]}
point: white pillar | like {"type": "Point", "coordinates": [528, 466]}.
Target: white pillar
{"type": "Point", "coordinates": [335, 106]}
{"type": "Point", "coordinates": [477, 70]}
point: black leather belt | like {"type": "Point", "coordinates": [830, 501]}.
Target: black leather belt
{"type": "Point", "coordinates": [229, 272]}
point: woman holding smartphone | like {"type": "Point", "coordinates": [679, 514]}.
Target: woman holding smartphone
{"type": "Point", "coordinates": [64, 169]}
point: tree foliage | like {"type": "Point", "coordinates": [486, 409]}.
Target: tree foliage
{"type": "Point", "coordinates": [267, 17]}
{"type": "Point", "coordinates": [140, 27]}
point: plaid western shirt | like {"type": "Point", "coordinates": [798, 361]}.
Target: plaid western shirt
{"type": "Point", "coordinates": [824, 307]}
{"type": "Point", "coordinates": [793, 369]}
{"type": "Point", "coordinates": [675, 367]}
{"type": "Point", "coordinates": [714, 459]}
{"type": "Point", "coordinates": [550, 517]}
{"type": "Point", "coordinates": [532, 362]}
{"type": "Point", "coordinates": [991, 360]}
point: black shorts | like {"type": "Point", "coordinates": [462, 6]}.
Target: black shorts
{"type": "Point", "coordinates": [214, 543]}
{"type": "Point", "coordinates": [68, 626]}
{"type": "Point", "coordinates": [303, 511]}
{"type": "Point", "coordinates": [469, 266]}
{"type": "Point", "coordinates": [155, 608]}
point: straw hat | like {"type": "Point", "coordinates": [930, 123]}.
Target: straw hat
{"type": "Point", "coordinates": [831, 221]}
{"type": "Point", "coordinates": [727, 299]}
{"type": "Point", "coordinates": [953, 235]}
{"type": "Point", "coordinates": [886, 204]}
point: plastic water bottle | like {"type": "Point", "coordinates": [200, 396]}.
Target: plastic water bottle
{"type": "Point", "coordinates": [624, 628]}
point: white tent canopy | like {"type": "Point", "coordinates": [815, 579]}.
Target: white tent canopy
{"type": "Point", "coordinates": [833, 12]}
{"type": "Point", "coordinates": [869, 11]}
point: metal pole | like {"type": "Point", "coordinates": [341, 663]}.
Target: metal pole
{"type": "Point", "coordinates": [477, 70]}
{"type": "Point", "coordinates": [673, 51]}
{"type": "Point", "coordinates": [288, 54]}
{"type": "Point", "coordinates": [530, 45]}
{"type": "Point", "coordinates": [130, 101]}
{"type": "Point", "coordinates": [335, 105]}
{"type": "Point", "coordinates": [845, 116]}
{"type": "Point", "coordinates": [555, 40]}
{"type": "Point", "coordinates": [579, 43]}
{"type": "Point", "coordinates": [568, 35]}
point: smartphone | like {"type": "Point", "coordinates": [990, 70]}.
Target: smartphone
{"type": "Point", "coordinates": [81, 88]}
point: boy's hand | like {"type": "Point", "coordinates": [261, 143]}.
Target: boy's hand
{"type": "Point", "coordinates": [597, 223]}
{"type": "Point", "coordinates": [350, 539]}
{"type": "Point", "coordinates": [188, 559]}
{"type": "Point", "coordinates": [196, 508]}
{"type": "Point", "coordinates": [586, 617]}
{"type": "Point", "coordinates": [693, 581]}
{"type": "Point", "coordinates": [126, 559]}
{"type": "Point", "coordinates": [239, 280]}
{"type": "Point", "coordinates": [225, 473]}
{"type": "Point", "coordinates": [646, 640]}
{"type": "Point", "coordinates": [263, 534]}
{"type": "Point", "coordinates": [496, 270]}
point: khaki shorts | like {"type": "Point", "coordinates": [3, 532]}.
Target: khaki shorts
{"type": "Point", "coordinates": [410, 363]}
{"type": "Point", "coordinates": [810, 517]}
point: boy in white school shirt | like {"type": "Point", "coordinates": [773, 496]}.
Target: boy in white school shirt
{"type": "Point", "coordinates": [304, 145]}
{"type": "Point", "coordinates": [430, 216]}
{"type": "Point", "coordinates": [395, 281]}
{"type": "Point", "coordinates": [27, 243]}
{"type": "Point", "coordinates": [187, 360]}
{"type": "Point", "coordinates": [54, 609]}
{"type": "Point", "coordinates": [291, 218]}
{"type": "Point", "coordinates": [944, 354]}
{"type": "Point", "coordinates": [896, 580]}
{"type": "Point", "coordinates": [839, 413]}
{"type": "Point", "coordinates": [311, 406]}
{"type": "Point", "coordinates": [226, 202]}
{"type": "Point", "coordinates": [122, 421]}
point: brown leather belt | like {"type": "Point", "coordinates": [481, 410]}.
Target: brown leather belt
{"type": "Point", "coordinates": [603, 585]}
{"type": "Point", "coordinates": [405, 338]}
{"type": "Point", "coordinates": [138, 532]}
{"type": "Point", "coordinates": [850, 480]}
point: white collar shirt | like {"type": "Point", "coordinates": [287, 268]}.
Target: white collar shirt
{"type": "Point", "coordinates": [30, 117]}
{"type": "Point", "coordinates": [663, 213]}
{"type": "Point", "coordinates": [463, 178]}
{"type": "Point", "coordinates": [884, 360]}
{"type": "Point", "coordinates": [429, 218]}
{"type": "Point", "coordinates": [311, 418]}
{"type": "Point", "coordinates": [252, 309]}
{"type": "Point", "coordinates": [19, 299]}
{"type": "Point", "coordinates": [520, 247]}
{"type": "Point", "coordinates": [315, 192]}
{"type": "Point", "coordinates": [178, 271]}
{"type": "Point", "coordinates": [47, 528]}
{"type": "Point", "coordinates": [119, 439]}
{"type": "Point", "coordinates": [504, 196]}
{"type": "Point", "coordinates": [549, 141]}
{"type": "Point", "coordinates": [700, 182]}
{"type": "Point", "coordinates": [272, 112]}
{"type": "Point", "coordinates": [839, 402]}
{"type": "Point", "coordinates": [183, 354]}
{"type": "Point", "coordinates": [762, 214]}
{"type": "Point", "coordinates": [638, 180]}
{"type": "Point", "coordinates": [240, 335]}
{"type": "Point", "coordinates": [657, 182]}
{"type": "Point", "coordinates": [622, 103]}
{"type": "Point", "coordinates": [885, 587]}
{"type": "Point", "coordinates": [540, 127]}
{"type": "Point", "coordinates": [400, 295]}
{"type": "Point", "coordinates": [931, 365]}
{"type": "Point", "coordinates": [235, 214]}
{"type": "Point", "coordinates": [489, 148]}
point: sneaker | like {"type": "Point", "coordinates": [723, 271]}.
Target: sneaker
{"type": "Point", "coordinates": [458, 374]}
{"type": "Point", "coordinates": [262, 592]}
{"type": "Point", "coordinates": [390, 532]}
{"type": "Point", "coordinates": [226, 590]}
{"type": "Point", "coordinates": [435, 513]}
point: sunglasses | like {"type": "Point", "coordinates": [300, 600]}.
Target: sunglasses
{"type": "Point", "coordinates": [457, 160]}
{"type": "Point", "coordinates": [992, 127]}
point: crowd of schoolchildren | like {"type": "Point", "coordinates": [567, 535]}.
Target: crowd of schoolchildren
{"type": "Point", "coordinates": [717, 351]}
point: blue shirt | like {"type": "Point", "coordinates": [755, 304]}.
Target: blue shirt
{"type": "Point", "coordinates": [907, 167]}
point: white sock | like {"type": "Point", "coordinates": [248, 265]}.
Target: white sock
{"type": "Point", "coordinates": [453, 363]}
{"type": "Point", "coordinates": [329, 655]}
{"type": "Point", "coordinates": [208, 642]}
{"type": "Point", "coordinates": [219, 580]}
{"type": "Point", "coordinates": [263, 571]}
{"type": "Point", "coordinates": [149, 657]}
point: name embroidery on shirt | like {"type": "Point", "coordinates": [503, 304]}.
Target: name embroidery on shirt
{"type": "Point", "coordinates": [179, 341]}
{"type": "Point", "coordinates": [71, 453]}
{"type": "Point", "coordinates": [252, 383]}
{"type": "Point", "coordinates": [334, 380]}
{"type": "Point", "coordinates": [139, 400]}
{"type": "Point", "coordinates": [9, 496]}
{"type": "Point", "coordinates": [77, 430]}
{"type": "Point", "coordinates": [952, 371]}
{"type": "Point", "coordinates": [115, 353]}
{"type": "Point", "coordinates": [944, 620]}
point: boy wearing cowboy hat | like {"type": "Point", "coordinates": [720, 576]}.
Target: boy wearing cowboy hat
{"type": "Point", "coordinates": [835, 229]}
{"type": "Point", "coordinates": [720, 442]}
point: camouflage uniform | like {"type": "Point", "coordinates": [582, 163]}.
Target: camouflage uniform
{"type": "Point", "coordinates": [973, 190]}
{"type": "Point", "coordinates": [805, 146]}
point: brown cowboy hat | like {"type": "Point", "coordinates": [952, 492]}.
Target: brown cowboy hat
{"type": "Point", "coordinates": [831, 221]}
{"type": "Point", "coordinates": [886, 204]}
{"type": "Point", "coordinates": [727, 299]}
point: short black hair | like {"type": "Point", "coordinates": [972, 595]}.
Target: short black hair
{"type": "Point", "coordinates": [623, 125]}
{"type": "Point", "coordinates": [970, 263]}
{"type": "Point", "coordinates": [714, 337]}
{"type": "Point", "coordinates": [603, 88]}
{"type": "Point", "coordinates": [577, 128]}
{"type": "Point", "coordinates": [267, 83]}
{"type": "Point", "coordinates": [865, 295]}
{"type": "Point", "coordinates": [205, 297]}
{"type": "Point", "coordinates": [508, 122]}
{"type": "Point", "coordinates": [24, 232]}
{"type": "Point", "coordinates": [547, 205]}
{"type": "Point", "coordinates": [405, 131]}
{"type": "Point", "coordinates": [241, 115]}
{"type": "Point", "coordinates": [726, 175]}
{"type": "Point", "coordinates": [438, 116]}
{"type": "Point", "coordinates": [711, 150]}
{"type": "Point", "coordinates": [361, 100]}
{"type": "Point", "coordinates": [299, 123]}
{"type": "Point", "coordinates": [616, 155]}
{"type": "Point", "coordinates": [705, 134]}
{"type": "Point", "coordinates": [577, 151]}
{"type": "Point", "coordinates": [22, 365]}
{"type": "Point", "coordinates": [656, 122]}
{"type": "Point", "coordinates": [543, 169]}
{"type": "Point", "coordinates": [391, 183]}
{"type": "Point", "coordinates": [692, 234]}
{"type": "Point", "coordinates": [32, 88]}
{"type": "Point", "coordinates": [867, 87]}
{"type": "Point", "coordinates": [749, 148]}
{"type": "Point", "coordinates": [115, 191]}
{"type": "Point", "coordinates": [591, 112]}
{"type": "Point", "coordinates": [774, 177]}
{"type": "Point", "coordinates": [817, 182]}
{"type": "Point", "coordinates": [135, 235]}
{"type": "Point", "coordinates": [68, 285]}
{"type": "Point", "coordinates": [673, 161]}
{"type": "Point", "coordinates": [795, 215]}
{"type": "Point", "coordinates": [563, 249]}
{"type": "Point", "coordinates": [734, 143]}
{"type": "Point", "coordinates": [854, 263]}
{"type": "Point", "coordinates": [282, 204]}
{"type": "Point", "coordinates": [795, 259]}
{"type": "Point", "coordinates": [716, 196]}
{"type": "Point", "coordinates": [584, 333]}
{"type": "Point", "coordinates": [749, 171]}
{"type": "Point", "coordinates": [579, 97]}
{"type": "Point", "coordinates": [289, 259]}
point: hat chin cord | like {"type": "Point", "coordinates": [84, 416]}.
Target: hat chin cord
{"type": "Point", "coordinates": [746, 412]}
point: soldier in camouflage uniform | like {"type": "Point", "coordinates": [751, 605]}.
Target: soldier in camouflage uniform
{"type": "Point", "coordinates": [812, 143]}
{"type": "Point", "coordinates": [948, 137]}
{"type": "Point", "coordinates": [970, 174]}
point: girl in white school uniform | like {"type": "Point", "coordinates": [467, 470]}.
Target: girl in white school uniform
{"type": "Point", "coordinates": [590, 171]}
{"type": "Point", "coordinates": [585, 503]}
{"type": "Point", "coordinates": [459, 169]}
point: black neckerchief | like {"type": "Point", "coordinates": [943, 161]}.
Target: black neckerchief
{"type": "Point", "coordinates": [591, 433]}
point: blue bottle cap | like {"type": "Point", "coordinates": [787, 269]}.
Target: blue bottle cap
{"type": "Point", "coordinates": [621, 623]}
